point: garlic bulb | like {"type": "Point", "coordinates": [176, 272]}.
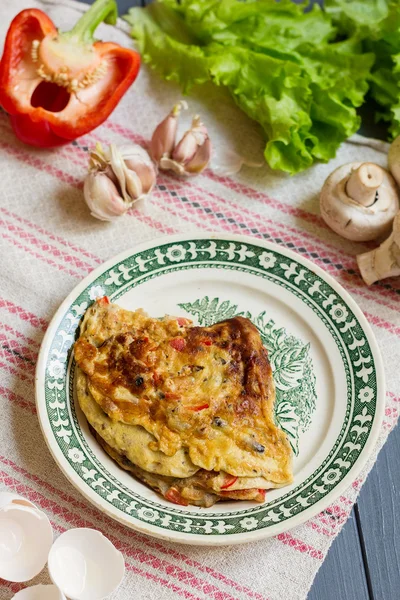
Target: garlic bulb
{"type": "Point", "coordinates": [118, 177]}
{"type": "Point", "coordinates": [190, 155]}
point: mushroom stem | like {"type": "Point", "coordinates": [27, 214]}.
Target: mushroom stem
{"type": "Point", "coordinates": [383, 261]}
{"type": "Point", "coordinates": [364, 182]}
{"type": "Point", "coordinates": [366, 209]}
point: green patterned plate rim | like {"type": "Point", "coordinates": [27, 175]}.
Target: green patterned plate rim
{"type": "Point", "coordinates": [358, 364]}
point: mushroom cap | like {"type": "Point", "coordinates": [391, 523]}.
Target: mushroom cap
{"type": "Point", "coordinates": [352, 220]}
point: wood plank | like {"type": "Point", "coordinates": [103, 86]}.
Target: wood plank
{"type": "Point", "coordinates": [123, 5]}
{"type": "Point", "coordinates": [379, 504]}
{"type": "Point", "coordinates": [342, 574]}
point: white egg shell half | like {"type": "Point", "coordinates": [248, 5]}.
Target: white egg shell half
{"type": "Point", "coordinates": [40, 592]}
{"type": "Point", "coordinates": [85, 565]}
{"type": "Point", "coordinates": [9, 497]}
{"type": "Point", "coordinates": [26, 537]}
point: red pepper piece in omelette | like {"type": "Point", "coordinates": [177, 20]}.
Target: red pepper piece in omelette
{"type": "Point", "coordinates": [230, 480]}
{"type": "Point", "coordinates": [178, 344]}
{"type": "Point", "coordinates": [174, 496]}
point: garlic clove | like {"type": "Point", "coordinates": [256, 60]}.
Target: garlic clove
{"type": "Point", "coordinates": [138, 160]}
{"type": "Point", "coordinates": [117, 164]}
{"type": "Point", "coordinates": [199, 130]}
{"type": "Point", "coordinates": [147, 175]}
{"type": "Point", "coordinates": [186, 149]}
{"type": "Point", "coordinates": [200, 160]}
{"type": "Point", "coordinates": [134, 155]}
{"type": "Point", "coordinates": [167, 164]}
{"type": "Point", "coordinates": [133, 185]}
{"type": "Point", "coordinates": [163, 139]}
{"type": "Point", "coordinates": [192, 139]}
{"type": "Point", "coordinates": [102, 197]}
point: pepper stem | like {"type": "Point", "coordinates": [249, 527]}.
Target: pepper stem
{"type": "Point", "coordinates": [101, 11]}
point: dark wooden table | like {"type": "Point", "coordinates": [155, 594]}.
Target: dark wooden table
{"type": "Point", "coordinates": [364, 560]}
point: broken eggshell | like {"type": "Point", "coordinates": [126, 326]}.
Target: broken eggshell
{"type": "Point", "coordinates": [85, 565]}
{"type": "Point", "coordinates": [9, 497]}
{"type": "Point", "coordinates": [26, 537]}
{"type": "Point", "coordinates": [40, 592]}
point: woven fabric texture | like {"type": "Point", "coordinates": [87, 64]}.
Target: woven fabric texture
{"type": "Point", "coordinates": [49, 242]}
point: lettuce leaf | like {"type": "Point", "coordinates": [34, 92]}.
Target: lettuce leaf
{"type": "Point", "coordinates": [362, 18]}
{"type": "Point", "coordinates": [267, 22]}
{"type": "Point", "coordinates": [172, 54]}
{"type": "Point", "coordinates": [281, 65]}
{"type": "Point", "coordinates": [376, 24]}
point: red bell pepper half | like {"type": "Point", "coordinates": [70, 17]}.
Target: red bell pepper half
{"type": "Point", "coordinates": [58, 86]}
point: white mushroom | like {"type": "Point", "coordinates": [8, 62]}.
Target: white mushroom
{"type": "Point", "coordinates": [394, 159]}
{"type": "Point", "coordinates": [359, 201]}
{"type": "Point", "coordinates": [383, 261]}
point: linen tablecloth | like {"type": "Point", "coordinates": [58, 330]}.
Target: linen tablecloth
{"type": "Point", "coordinates": [49, 242]}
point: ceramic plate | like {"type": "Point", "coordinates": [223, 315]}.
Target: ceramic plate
{"type": "Point", "coordinates": [327, 369]}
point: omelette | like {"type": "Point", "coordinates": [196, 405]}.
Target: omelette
{"type": "Point", "coordinates": [188, 410]}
